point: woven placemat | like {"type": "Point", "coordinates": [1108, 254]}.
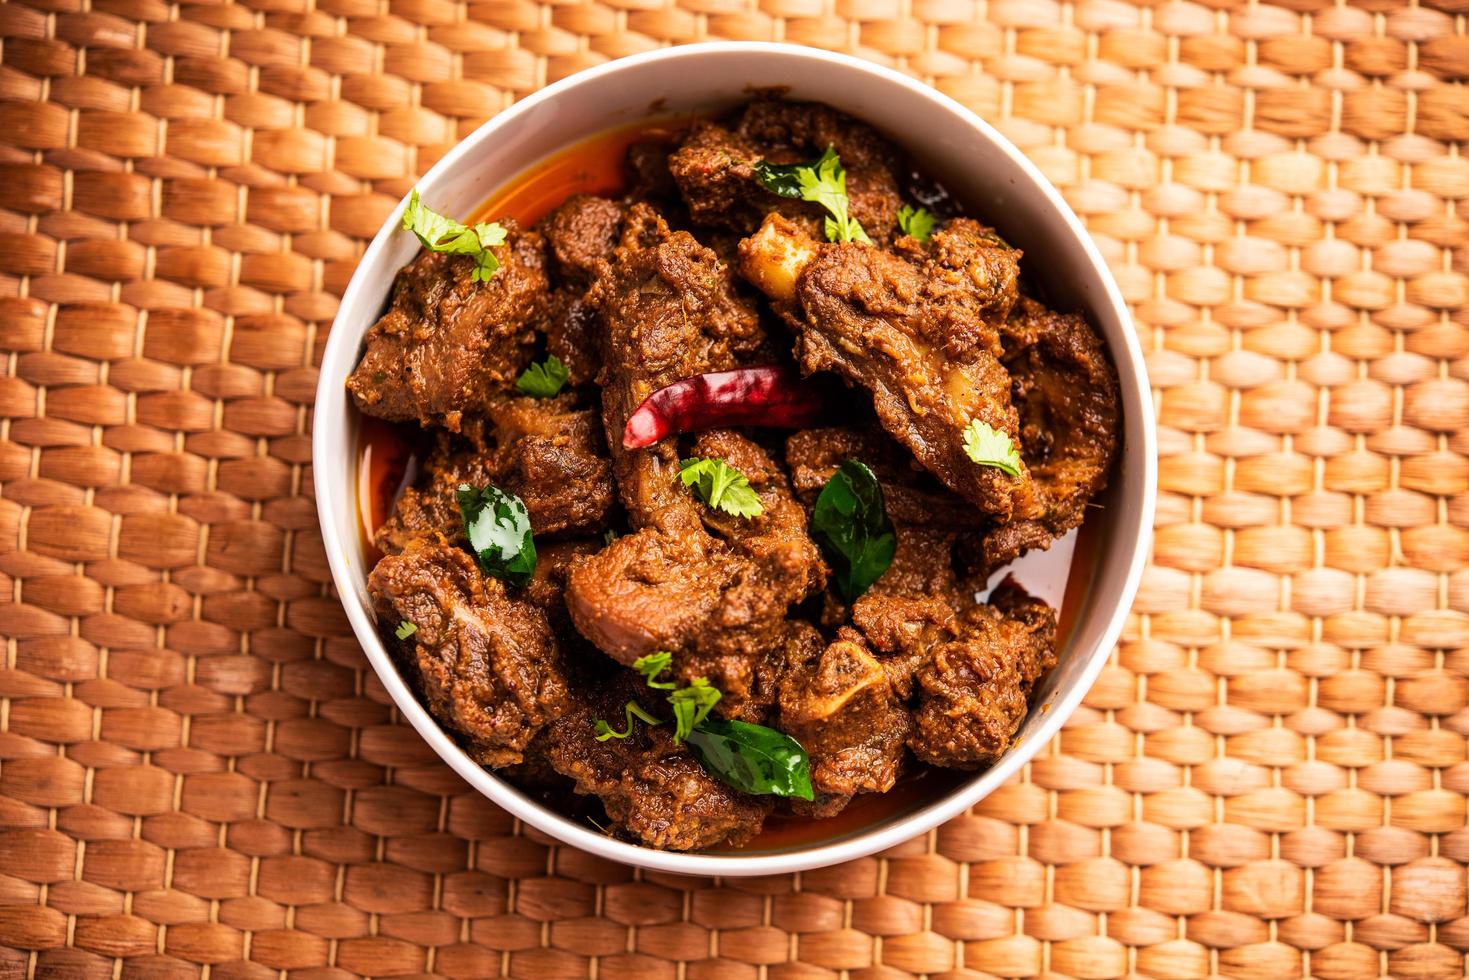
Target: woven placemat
{"type": "Point", "coordinates": [199, 776]}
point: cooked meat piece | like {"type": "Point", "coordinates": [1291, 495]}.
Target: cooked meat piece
{"type": "Point", "coordinates": [910, 494]}
{"type": "Point", "coordinates": [711, 589]}
{"type": "Point", "coordinates": [547, 587]}
{"type": "Point", "coordinates": [543, 450]}
{"type": "Point", "coordinates": [975, 691]}
{"type": "Point", "coordinates": [652, 789]}
{"type": "Point", "coordinates": [918, 329]}
{"type": "Point", "coordinates": [447, 344]}
{"type": "Point", "coordinates": [486, 661]}
{"type": "Point", "coordinates": [649, 178]}
{"type": "Point", "coordinates": [571, 334]}
{"type": "Point", "coordinates": [715, 167]}
{"type": "Point", "coordinates": [1066, 390]}
{"type": "Point", "coordinates": [842, 708]}
{"type": "Point", "coordinates": [913, 605]}
{"type": "Point", "coordinates": [580, 234]}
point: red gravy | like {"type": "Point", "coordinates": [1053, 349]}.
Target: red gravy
{"type": "Point", "coordinates": [387, 453]}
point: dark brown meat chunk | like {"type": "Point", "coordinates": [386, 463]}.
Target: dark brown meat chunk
{"type": "Point", "coordinates": [486, 661]}
{"type": "Point", "coordinates": [715, 167]}
{"type": "Point", "coordinates": [543, 450]}
{"type": "Point", "coordinates": [974, 692]}
{"type": "Point", "coordinates": [571, 334]}
{"type": "Point", "coordinates": [918, 329]}
{"type": "Point", "coordinates": [1066, 391]}
{"type": "Point", "coordinates": [910, 494]}
{"type": "Point", "coordinates": [652, 789]}
{"type": "Point", "coordinates": [712, 590]}
{"type": "Point", "coordinates": [840, 704]}
{"type": "Point", "coordinates": [447, 344]}
{"type": "Point", "coordinates": [581, 234]}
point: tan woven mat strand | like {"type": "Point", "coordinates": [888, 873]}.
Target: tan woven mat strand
{"type": "Point", "coordinates": [199, 776]}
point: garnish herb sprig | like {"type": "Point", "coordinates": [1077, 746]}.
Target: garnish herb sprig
{"type": "Point", "coordinates": [752, 758]}
{"type": "Point", "coordinates": [498, 527]}
{"type": "Point", "coordinates": [543, 379]}
{"type": "Point", "coordinates": [721, 486]}
{"type": "Point", "coordinates": [851, 526]}
{"type": "Point", "coordinates": [823, 181]}
{"type": "Point", "coordinates": [916, 222]}
{"type": "Point", "coordinates": [988, 446]}
{"type": "Point", "coordinates": [441, 234]}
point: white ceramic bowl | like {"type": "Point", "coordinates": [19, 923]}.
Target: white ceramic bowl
{"type": "Point", "coordinates": [995, 182]}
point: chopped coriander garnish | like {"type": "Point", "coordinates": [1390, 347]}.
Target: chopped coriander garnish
{"type": "Point", "coordinates": [824, 182]}
{"type": "Point", "coordinates": [721, 486]}
{"type": "Point", "coordinates": [691, 705]}
{"type": "Point", "coordinates": [441, 234]}
{"type": "Point", "coordinates": [498, 527]}
{"type": "Point", "coordinates": [405, 630]}
{"type": "Point", "coordinates": [916, 222]}
{"type": "Point", "coordinates": [989, 446]}
{"type": "Point", "coordinates": [610, 535]}
{"type": "Point", "coordinates": [543, 379]}
{"type": "Point", "coordinates": [631, 710]}
{"type": "Point", "coordinates": [651, 666]}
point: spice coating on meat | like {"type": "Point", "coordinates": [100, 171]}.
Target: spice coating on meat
{"type": "Point", "coordinates": [715, 167]}
{"type": "Point", "coordinates": [447, 344]}
{"type": "Point", "coordinates": [651, 788]}
{"type": "Point", "coordinates": [918, 329]}
{"type": "Point", "coordinates": [974, 692]}
{"type": "Point", "coordinates": [485, 661]}
{"type": "Point", "coordinates": [840, 704]}
{"type": "Point", "coordinates": [1066, 392]}
{"type": "Point", "coordinates": [543, 450]}
{"type": "Point", "coordinates": [910, 494]}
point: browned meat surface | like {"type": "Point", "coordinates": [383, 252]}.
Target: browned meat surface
{"type": "Point", "coordinates": [715, 167]}
{"type": "Point", "coordinates": [447, 344]}
{"type": "Point", "coordinates": [485, 660]}
{"type": "Point", "coordinates": [543, 450]}
{"type": "Point", "coordinates": [1066, 391]}
{"type": "Point", "coordinates": [581, 234]}
{"type": "Point", "coordinates": [712, 589]}
{"type": "Point", "coordinates": [571, 333]}
{"type": "Point", "coordinates": [839, 703]}
{"type": "Point", "coordinates": [652, 789]}
{"type": "Point", "coordinates": [911, 494]}
{"type": "Point", "coordinates": [918, 330]}
{"type": "Point", "coordinates": [974, 692]}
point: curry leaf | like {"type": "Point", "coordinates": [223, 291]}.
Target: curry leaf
{"type": "Point", "coordinates": [543, 379]}
{"type": "Point", "coordinates": [989, 446]}
{"type": "Point", "coordinates": [752, 758]}
{"type": "Point", "coordinates": [498, 527]}
{"type": "Point", "coordinates": [405, 630]}
{"type": "Point", "coordinates": [850, 524]}
{"type": "Point", "coordinates": [441, 234]}
{"type": "Point", "coordinates": [721, 486]}
{"type": "Point", "coordinates": [824, 182]}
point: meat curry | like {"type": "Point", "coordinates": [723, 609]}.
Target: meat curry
{"type": "Point", "coordinates": [718, 466]}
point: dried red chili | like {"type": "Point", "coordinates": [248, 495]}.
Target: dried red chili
{"type": "Point", "coordinates": [770, 396]}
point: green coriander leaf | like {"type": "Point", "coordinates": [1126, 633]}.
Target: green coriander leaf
{"type": "Point", "coordinates": [916, 222]}
{"type": "Point", "coordinates": [441, 234]}
{"type": "Point", "coordinates": [988, 446]}
{"type": "Point", "coordinates": [850, 524]}
{"type": "Point", "coordinates": [405, 630]}
{"type": "Point", "coordinates": [721, 486]}
{"type": "Point", "coordinates": [609, 536]}
{"type": "Point", "coordinates": [823, 182]}
{"type": "Point", "coordinates": [498, 527]}
{"type": "Point", "coordinates": [691, 705]}
{"type": "Point", "coordinates": [543, 379]}
{"type": "Point", "coordinates": [651, 666]}
{"type": "Point", "coordinates": [631, 710]}
{"type": "Point", "coordinates": [752, 758]}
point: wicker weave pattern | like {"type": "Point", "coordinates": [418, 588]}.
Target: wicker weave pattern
{"type": "Point", "coordinates": [198, 775]}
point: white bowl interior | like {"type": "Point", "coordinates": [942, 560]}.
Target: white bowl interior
{"type": "Point", "coordinates": [984, 171]}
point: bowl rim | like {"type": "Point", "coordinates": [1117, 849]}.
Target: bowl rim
{"type": "Point", "coordinates": [332, 403]}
